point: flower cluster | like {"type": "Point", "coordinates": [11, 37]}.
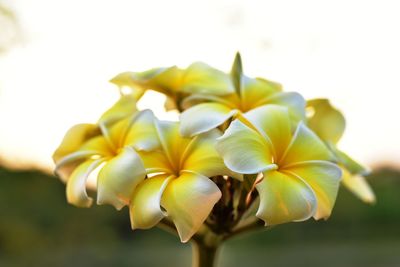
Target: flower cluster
{"type": "Point", "coordinates": [240, 142]}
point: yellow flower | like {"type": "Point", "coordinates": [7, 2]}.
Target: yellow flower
{"type": "Point", "coordinates": [178, 185]}
{"type": "Point", "coordinates": [329, 124]}
{"type": "Point", "coordinates": [80, 133]}
{"type": "Point", "coordinates": [166, 170]}
{"type": "Point", "coordinates": [111, 145]}
{"type": "Point", "coordinates": [177, 83]}
{"type": "Point", "coordinates": [249, 94]}
{"type": "Point", "coordinates": [298, 181]}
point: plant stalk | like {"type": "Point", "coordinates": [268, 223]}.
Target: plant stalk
{"type": "Point", "coordinates": [203, 255]}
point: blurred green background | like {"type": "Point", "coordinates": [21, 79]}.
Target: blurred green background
{"type": "Point", "coordinates": [38, 228]}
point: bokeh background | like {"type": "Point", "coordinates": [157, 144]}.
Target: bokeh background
{"type": "Point", "coordinates": [57, 56]}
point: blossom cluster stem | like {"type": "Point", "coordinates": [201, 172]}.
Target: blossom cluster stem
{"type": "Point", "coordinates": [203, 255]}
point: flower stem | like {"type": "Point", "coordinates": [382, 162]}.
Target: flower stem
{"type": "Point", "coordinates": [203, 255]}
{"type": "Point", "coordinates": [167, 226]}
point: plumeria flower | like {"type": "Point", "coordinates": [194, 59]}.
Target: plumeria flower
{"type": "Point", "coordinates": [249, 94]}
{"type": "Point", "coordinates": [243, 153]}
{"type": "Point", "coordinates": [110, 146]}
{"type": "Point", "coordinates": [329, 124]}
{"type": "Point", "coordinates": [298, 180]}
{"type": "Point", "coordinates": [178, 186]}
{"type": "Point", "coordinates": [177, 83]}
{"type": "Point", "coordinates": [80, 133]}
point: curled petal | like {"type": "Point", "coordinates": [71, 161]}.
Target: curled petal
{"type": "Point", "coordinates": [119, 177]}
{"type": "Point", "coordinates": [124, 80]}
{"type": "Point", "coordinates": [295, 103]}
{"type": "Point", "coordinates": [73, 140]}
{"type": "Point", "coordinates": [359, 186]}
{"type": "Point", "coordinates": [188, 201]}
{"type": "Point", "coordinates": [284, 198]}
{"type": "Point", "coordinates": [204, 117]}
{"type": "Point", "coordinates": [164, 80]}
{"type": "Point", "coordinates": [167, 81]}
{"type": "Point", "coordinates": [305, 146]}
{"type": "Point", "coordinates": [326, 121]}
{"type": "Point", "coordinates": [324, 179]}
{"type": "Point", "coordinates": [244, 150]}
{"type": "Point", "coordinates": [76, 185]}
{"type": "Point", "coordinates": [96, 146]}
{"type": "Point", "coordinates": [145, 205]}
{"type": "Point", "coordinates": [67, 165]}
{"type": "Point", "coordinates": [273, 122]}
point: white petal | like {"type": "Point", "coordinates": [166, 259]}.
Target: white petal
{"type": "Point", "coordinates": [295, 103]}
{"type": "Point", "coordinates": [188, 201]}
{"type": "Point", "coordinates": [145, 206]}
{"type": "Point", "coordinates": [244, 150]}
{"type": "Point", "coordinates": [324, 179]}
{"type": "Point", "coordinates": [284, 198]}
{"type": "Point", "coordinates": [119, 177]}
{"type": "Point", "coordinates": [204, 117]}
{"type": "Point", "coordinates": [76, 185]}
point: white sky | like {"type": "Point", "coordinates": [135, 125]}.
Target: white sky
{"type": "Point", "coordinates": [347, 51]}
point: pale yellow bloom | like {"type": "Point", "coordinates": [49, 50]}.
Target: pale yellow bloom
{"type": "Point", "coordinates": [298, 179]}
{"type": "Point", "coordinates": [178, 186]}
{"type": "Point", "coordinates": [329, 124]}
{"type": "Point", "coordinates": [78, 134]}
{"type": "Point", "coordinates": [177, 83]}
{"type": "Point", "coordinates": [210, 111]}
{"type": "Point", "coordinates": [111, 144]}
{"type": "Point", "coordinates": [231, 125]}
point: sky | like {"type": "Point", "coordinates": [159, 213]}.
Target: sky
{"type": "Point", "coordinates": [57, 74]}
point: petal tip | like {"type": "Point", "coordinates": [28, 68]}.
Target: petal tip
{"type": "Point", "coordinates": [80, 204]}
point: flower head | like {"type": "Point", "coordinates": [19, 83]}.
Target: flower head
{"type": "Point", "coordinates": [176, 83]}
{"type": "Point", "coordinates": [178, 181]}
{"type": "Point", "coordinates": [240, 142]}
{"type": "Point", "coordinates": [111, 144]}
{"type": "Point", "coordinates": [211, 111]}
{"type": "Point", "coordinates": [298, 181]}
